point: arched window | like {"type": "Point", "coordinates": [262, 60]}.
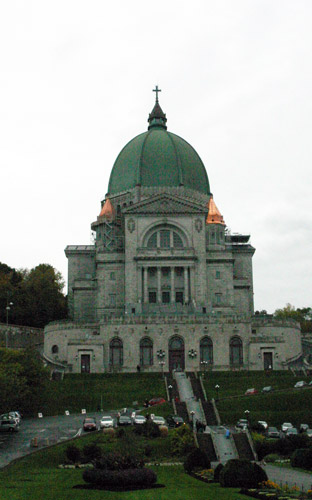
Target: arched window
{"type": "Point", "coordinates": [116, 352]}
{"type": "Point", "coordinates": [236, 351]}
{"type": "Point", "coordinates": [176, 343]}
{"type": "Point", "coordinates": [165, 238]}
{"type": "Point", "coordinates": [206, 350]}
{"type": "Point", "coordinates": [146, 352]}
{"type": "Point", "coordinates": [55, 349]}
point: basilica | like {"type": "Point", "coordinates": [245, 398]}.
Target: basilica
{"type": "Point", "coordinates": [165, 286]}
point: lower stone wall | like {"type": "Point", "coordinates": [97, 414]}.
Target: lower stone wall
{"type": "Point", "coordinates": [20, 337]}
{"type": "Point", "coordinates": [77, 344]}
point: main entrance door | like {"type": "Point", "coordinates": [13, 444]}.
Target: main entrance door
{"type": "Point", "coordinates": [176, 354]}
{"type": "Point", "coordinates": [268, 360]}
{"type": "Point", "coordinates": [85, 363]}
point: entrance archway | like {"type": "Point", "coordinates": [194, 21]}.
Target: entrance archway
{"type": "Point", "coordinates": [176, 354]}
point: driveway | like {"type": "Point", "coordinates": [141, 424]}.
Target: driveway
{"type": "Point", "coordinates": [47, 431]}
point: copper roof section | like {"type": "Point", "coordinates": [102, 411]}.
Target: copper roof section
{"type": "Point", "coordinates": [107, 210]}
{"type": "Point", "coordinates": [214, 216]}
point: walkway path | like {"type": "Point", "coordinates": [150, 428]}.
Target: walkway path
{"type": "Point", "coordinates": [226, 449]}
{"type": "Point", "coordinates": [283, 475]}
{"type": "Point", "coordinates": [186, 395]}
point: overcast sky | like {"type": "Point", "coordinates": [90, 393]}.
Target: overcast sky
{"type": "Point", "coordinates": [76, 80]}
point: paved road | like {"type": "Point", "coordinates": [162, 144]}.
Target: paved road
{"type": "Point", "coordinates": [282, 475]}
{"type": "Point", "coordinates": [47, 430]}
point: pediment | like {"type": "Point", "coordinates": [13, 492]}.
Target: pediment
{"type": "Point", "coordinates": [164, 204]}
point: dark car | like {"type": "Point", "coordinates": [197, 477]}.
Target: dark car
{"type": "Point", "coordinates": [124, 420]}
{"type": "Point", "coordinates": [156, 401]}
{"type": "Point", "coordinates": [272, 432]}
{"type": "Point", "coordinates": [89, 424]}
{"type": "Point", "coordinates": [174, 421]}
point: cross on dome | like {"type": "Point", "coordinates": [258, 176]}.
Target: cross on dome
{"type": "Point", "coordinates": [156, 89]}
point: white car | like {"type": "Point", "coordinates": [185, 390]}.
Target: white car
{"type": "Point", "coordinates": [106, 421]}
{"type": "Point", "coordinates": [139, 420]}
{"type": "Point", "coordinates": [300, 384]}
{"type": "Point", "coordinates": [286, 425]}
{"type": "Point", "coordinates": [263, 423]}
{"type": "Point", "coordinates": [158, 420]}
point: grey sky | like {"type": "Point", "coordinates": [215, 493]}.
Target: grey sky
{"type": "Point", "coordinates": [76, 82]}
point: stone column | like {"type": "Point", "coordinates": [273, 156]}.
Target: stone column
{"type": "Point", "coordinates": [186, 285]}
{"type": "Point", "coordinates": [172, 299]}
{"type": "Point", "coordinates": [159, 285]}
{"type": "Point", "coordinates": [140, 281]}
{"type": "Point", "coordinates": [145, 274]}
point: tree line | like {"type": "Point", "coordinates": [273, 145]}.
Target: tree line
{"type": "Point", "coordinates": [36, 295]}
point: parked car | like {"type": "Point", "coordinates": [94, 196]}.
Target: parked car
{"type": "Point", "coordinates": [139, 420]}
{"type": "Point", "coordinates": [309, 433]}
{"type": "Point", "coordinates": [242, 424]}
{"type": "Point", "coordinates": [89, 424]}
{"type": "Point", "coordinates": [263, 423]}
{"type": "Point", "coordinates": [300, 384]}
{"type": "Point", "coordinates": [158, 420]}
{"type": "Point", "coordinates": [106, 421]}
{"type": "Point", "coordinates": [124, 420]}
{"type": "Point", "coordinates": [251, 391]}
{"type": "Point", "coordinates": [15, 414]}
{"type": "Point", "coordinates": [266, 389]}
{"type": "Point", "coordinates": [272, 432]}
{"type": "Point", "coordinates": [292, 431]}
{"type": "Point", "coordinates": [303, 427]}
{"type": "Point", "coordinates": [9, 424]}
{"type": "Point", "coordinates": [156, 401]}
{"type": "Point", "coordinates": [174, 421]}
{"type": "Point", "coordinates": [286, 425]}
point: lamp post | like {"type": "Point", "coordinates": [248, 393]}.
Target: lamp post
{"type": "Point", "coordinates": [8, 308]}
{"type": "Point", "coordinates": [161, 364]}
{"type": "Point", "coordinates": [192, 413]}
{"type": "Point", "coordinates": [204, 365]}
{"type": "Point", "coordinates": [170, 392]}
{"type": "Point", "coordinates": [247, 416]}
{"type": "Point", "coordinates": [217, 387]}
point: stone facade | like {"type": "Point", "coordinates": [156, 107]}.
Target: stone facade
{"type": "Point", "coordinates": [165, 286]}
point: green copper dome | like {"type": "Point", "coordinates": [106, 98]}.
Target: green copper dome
{"type": "Point", "coordinates": [158, 158]}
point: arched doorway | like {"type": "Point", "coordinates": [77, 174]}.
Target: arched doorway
{"type": "Point", "coordinates": [176, 354]}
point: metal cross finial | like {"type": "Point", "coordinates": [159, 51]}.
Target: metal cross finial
{"type": "Point", "coordinates": [156, 89]}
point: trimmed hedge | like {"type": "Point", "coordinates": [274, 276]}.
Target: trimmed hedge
{"type": "Point", "coordinates": [196, 459]}
{"type": "Point", "coordinates": [73, 453]}
{"type": "Point", "coordinates": [242, 474]}
{"type": "Point", "coordinates": [91, 452]}
{"type": "Point", "coordinates": [302, 458]}
{"type": "Point", "coordinates": [217, 471]}
{"type": "Point", "coordinates": [121, 478]}
{"type": "Point", "coordinates": [115, 461]}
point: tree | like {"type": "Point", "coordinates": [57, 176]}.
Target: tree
{"type": "Point", "coordinates": [302, 315]}
{"type": "Point", "coordinates": [36, 294]}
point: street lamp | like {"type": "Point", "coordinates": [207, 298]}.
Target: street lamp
{"type": "Point", "coordinates": [192, 353]}
{"type": "Point", "coordinates": [170, 391]}
{"type": "Point", "coordinates": [192, 413]}
{"type": "Point", "coordinates": [8, 308]}
{"type": "Point", "coordinates": [204, 365]}
{"type": "Point", "coordinates": [217, 387]}
{"type": "Point", "coordinates": [161, 364]}
{"type": "Point", "coordinates": [247, 416]}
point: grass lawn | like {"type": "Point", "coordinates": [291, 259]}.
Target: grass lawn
{"type": "Point", "coordinates": [115, 391]}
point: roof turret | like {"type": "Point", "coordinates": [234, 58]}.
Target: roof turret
{"type": "Point", "coordinates": [214, 216]}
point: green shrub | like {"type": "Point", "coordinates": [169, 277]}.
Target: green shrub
{"type": "Point", "coordinates": [148, 450]}
{"type": "Point", "coordinates": [73, 453]}
{"type": "Point", "coordinates": [272, 457]}
{"type": "Point", "coordinates": [148, 429]}
{"type": "Point", "coordinates": [217, 471]}
{"type": "Point", "coordinates": [182, 440]}
{"type": "Point", "coordinates": [242, 474]}
{"type": "Point", "coordinates": [196, 459]}
{"type": "Point", "coordinates": [286, 446]}
{"type": "Point", "coordinates": [302, 458]}
{"type": "Point", "coordinates": [120, 432]}
{"type": "Point", "coordinates": [116, 461]}
{"type": "Point", "coordinates": [91, 452]}
{"type": "Point", "coordinates": [122, 478]}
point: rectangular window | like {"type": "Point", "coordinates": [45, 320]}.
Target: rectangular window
{"type": "Point", "coordinates": [112, 276]}
{"type": "Point", "coordinates": [164, 239]}
{"type": "Point", "coordinates": [165, 271]}
{"type": "Point", "coordinates": [112, 299]}
{"type": "Point", "coordinates": [152, 297]}
{"type": "Point", "coordinates": [166, 297]}
{"type": "Point", "coordinates": [179, 297]}
{"type": "Point", "coordinates": [218, 297]}
{"type": "Point", "coordinates": [218, 275]}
